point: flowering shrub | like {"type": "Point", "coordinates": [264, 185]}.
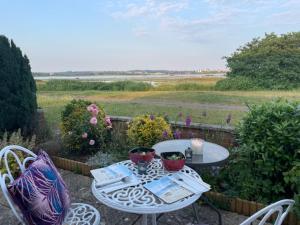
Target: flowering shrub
{"type": "Point", "coordinates": [85, 127]}
{"type": "Point", "coordinates": [148, 129]}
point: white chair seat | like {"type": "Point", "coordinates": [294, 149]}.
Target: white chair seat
{"type": "Point", "coordinates": [82, 214]}
{"type": "Point", "coordinates": [281, 208]}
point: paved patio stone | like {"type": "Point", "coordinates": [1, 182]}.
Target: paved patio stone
{"type": "Point", "coordinates": [80, 191]}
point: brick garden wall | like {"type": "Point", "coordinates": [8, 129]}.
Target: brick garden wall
{"type": "Point", "coordinates": [217, 134]}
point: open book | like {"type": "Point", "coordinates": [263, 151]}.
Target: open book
{"type": "Point", "coordinates": [167, 190]}
{"type": "Point", "coordinates": [110, 174]}
{"type": "Point", "coordinates": [175, 187]}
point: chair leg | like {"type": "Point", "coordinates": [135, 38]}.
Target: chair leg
{"type": "Point", "coordinates": [205, 199]}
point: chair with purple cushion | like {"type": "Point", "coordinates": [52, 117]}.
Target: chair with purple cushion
{"type": "Point", "coordinates": [39, 181]}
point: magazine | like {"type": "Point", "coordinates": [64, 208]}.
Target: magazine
{"type": "Point", "coordinates": [168, 190]}
{"type": "Point", "coordinates": [177, 186]}
{"type": "Point", "coordinates": [110, 174]}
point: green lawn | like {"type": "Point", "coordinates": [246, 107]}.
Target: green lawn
{"type": "Point", "coordinates": [163, 102]}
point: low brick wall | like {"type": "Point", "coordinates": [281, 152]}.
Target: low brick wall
{"type": "Point", "coordinates": [217, 134]}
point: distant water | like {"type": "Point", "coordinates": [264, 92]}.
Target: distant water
{"type": "Point", "coordinates": [128, 77]}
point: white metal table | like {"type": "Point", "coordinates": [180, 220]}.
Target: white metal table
{"type": "Point", "coordinates": [213, 154]}
{"type": "Point", "coordinates": [138, 200]}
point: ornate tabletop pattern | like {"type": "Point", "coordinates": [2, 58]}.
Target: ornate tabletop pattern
{"type": "Point", "coordinates": [137, 199]}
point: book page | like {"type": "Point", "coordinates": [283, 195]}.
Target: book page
{"type": "Point", "coordinates": [110, 174]}
{"type": "Point", "coordinates": [168, 190]}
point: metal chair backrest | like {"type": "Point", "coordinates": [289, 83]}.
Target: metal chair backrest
{"type": "Point", "coordinates": [7, 177]}
{"type": "Point", "coordinates": [281, 207]}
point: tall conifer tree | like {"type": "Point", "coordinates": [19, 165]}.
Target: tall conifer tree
{"type": "Point", "coordinates": [17, 89]}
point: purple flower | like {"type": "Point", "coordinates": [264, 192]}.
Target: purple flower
{"type": "Point", "coordinates": [165, 134]}
{"type": "Point", "coordinates": [228, 119]}
{"type": "Point", "coordinates": [177, 134]}
{"type": "Point", "coordinates": [188, 121]}
{"type": "Point", "coordinates": [152, 117]}
{"type": "Point", "coordinates": [191, 134]}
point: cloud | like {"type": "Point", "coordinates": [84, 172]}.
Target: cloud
{"type": "Point", "coordinates": [291, 17]}
{"type": "Point", "coordinates": [199, 29]}
{"type": "Point", "coordinates": [220, 17]}
{"type": "Point", "coordinates": [150, 8]}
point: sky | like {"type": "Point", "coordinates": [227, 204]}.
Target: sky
{"type": "Point", "coordinates": [85, 35]}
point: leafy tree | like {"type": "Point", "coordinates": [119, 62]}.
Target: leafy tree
{"type": "Point", "coordinates": [17, 89]}
{"type": "Point", "coordinates": [273, 61]}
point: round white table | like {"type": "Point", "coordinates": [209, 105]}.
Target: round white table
{"type": "Point", "coordinates": [213, 154]}
{"type": "Point", "coordinates": [138, 200]}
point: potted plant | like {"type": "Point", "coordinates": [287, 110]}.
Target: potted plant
{"type": "Point", "coordinates": [141, 154]}
{"type": "Point", "coordinates": [173, 161]}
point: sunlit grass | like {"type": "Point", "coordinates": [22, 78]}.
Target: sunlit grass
{"type": "Point", "coordinates": [164, 99]}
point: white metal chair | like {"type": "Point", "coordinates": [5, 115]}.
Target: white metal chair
{"type": "Point", "coordinates": [79, 213]}
{"type": "Point", "coordinates": [281, 208]}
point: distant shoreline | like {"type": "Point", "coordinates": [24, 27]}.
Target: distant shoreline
{"type": "Point", "coordinates": [111, 77]}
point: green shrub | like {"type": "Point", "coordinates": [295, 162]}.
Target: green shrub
{"type": "Point", "coordinates": [236, 83]}
{"type": "Point", "coordinates": [75, 85]}
{"type": "Point", "coordinates": [17, 89]}
{"type": "Point", "coordinates": [84, 131]}
{"type": "Point", "coordinates": [266, 165]}
{"type": "Point", "coordinates": [147, 130]}
{"type": "Point", "coordinates": [15, 138]}
{"type": "Point", "coordinates": [273, 61]}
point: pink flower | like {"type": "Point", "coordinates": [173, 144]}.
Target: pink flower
{"type": "Point", "coordinates": [93, 120]}
{"type": "Point", "coordinates": [92, 142]}
{"type": "Point", "coordinates": [92, 107]}
{"type": "Point", "coordinates": [89, 108]}
{"type": "Point", "coordinates": [95, 112]}
{"type": "Point", "coordinates": [84, 135]}
{"type": "Point", "coordinates": [108, 121]}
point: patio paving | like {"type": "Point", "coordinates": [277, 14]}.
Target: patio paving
{"type": "Point", "coordinates": [80, 191]}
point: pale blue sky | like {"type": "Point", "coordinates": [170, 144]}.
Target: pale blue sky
{"type": "Point", "coordinates": [60, 35]}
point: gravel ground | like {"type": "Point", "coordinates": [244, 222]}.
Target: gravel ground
{"type": "Point", "coordinates": [79, 187]}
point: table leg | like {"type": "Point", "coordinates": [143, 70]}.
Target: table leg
{"type": "Point", "coordinates": [137, 219]}
{"type": "Point", "coordinates": [144, 219]}
{"type": "Point", "coordinates": [205, 199]}
{"type": "Point", "coordinates": [153, 219]}
{"type": "Point", "coordinates": [195, 209]}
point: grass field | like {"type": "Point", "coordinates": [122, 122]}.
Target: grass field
{"type": "Point", "coordinates": [217, 105]}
